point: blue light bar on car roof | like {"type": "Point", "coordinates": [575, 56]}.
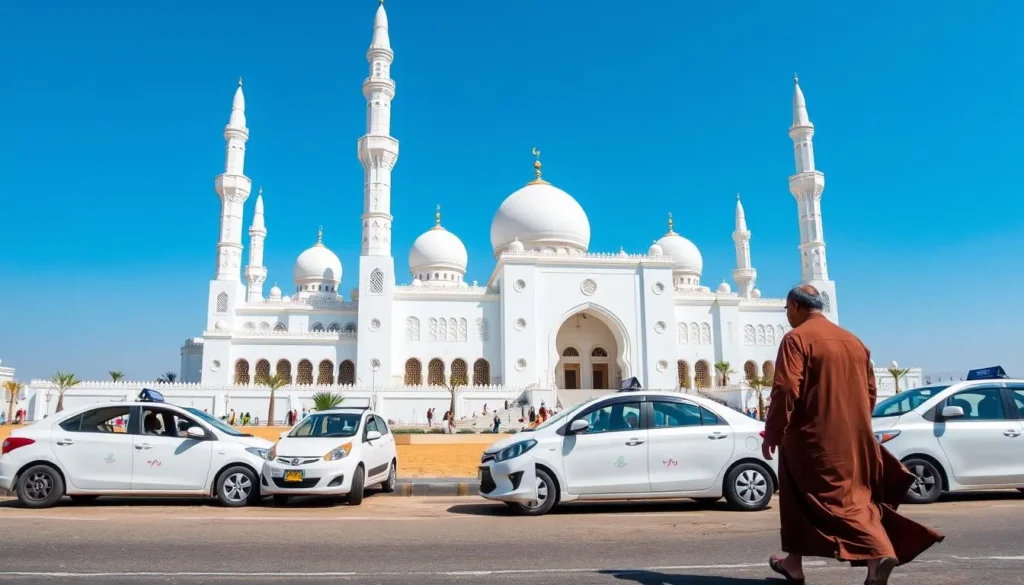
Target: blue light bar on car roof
{"type": "Point", "coordinates": [993, 373]}
{"type": "Point", "coordinates": [148, 395]}
{"type": "Point", "coordinates": [630, 385]}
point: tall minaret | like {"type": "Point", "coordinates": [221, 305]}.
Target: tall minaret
{"type": "Point", "coordinates": [378, 152]}
{"type": "Point", "coordinates": [806, 186]}
{"type": "Point", "coordinates": [744, 275]}
{"type": "Point", "coordinates": [256, 272]}
{"type": "Point", "coordinates": [233, 187]}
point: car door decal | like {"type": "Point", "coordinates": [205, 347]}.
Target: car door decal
{"type": "Point", "coordinates": [379, 469]}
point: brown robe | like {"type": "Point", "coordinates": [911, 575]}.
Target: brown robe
{"type": "Point", "coordinates": [838, 488]}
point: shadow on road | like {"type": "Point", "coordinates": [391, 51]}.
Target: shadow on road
{"type": "Point", "coordinates": [655, 578]}
{"type": "Point", "coordinates": [498, 509]}
{"type": "Point", "coordinates": [186, 502]}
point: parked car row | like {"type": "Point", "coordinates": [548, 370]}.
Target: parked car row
{"type": "Point", "coordinates": [151, 448]}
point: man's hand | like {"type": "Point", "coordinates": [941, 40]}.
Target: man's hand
{"type": "Point", "coordinates": [767, 450]}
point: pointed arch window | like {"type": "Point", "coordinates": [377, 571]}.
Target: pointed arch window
{"type": "Point", "coordinates": [262, 376]}
{"type": "Point", "coordinates": [305, 375]}
{"type": "Point", "coordinates": [284, 369]}
{"type": "Point", "coordinates": [222, 303]}
{"type": "Point", "coordinates": [460, 374]}
{"type": "Point", "coordinates": [703, 375]}
{"type": "Point", "coordinates": [325, 373]}
{"type": "Point", "coordinates": [317, 327]}
{"type": "Point", "coordinates": [750, 370]}
{"type": "Point", "coordinates": [599, 352]}
{"type": "Point", "coordinates": [347, 373]}
{"type": "Point", "coordinates": [481, 372]}
{"type": "Point", "coordinates": [683, 373]}
{"type": "Point", "coordinates": [571, 352]}
{"type": "Point", "coordinates": [413, 372]}
{"type": "Point", "coordinates": [242, 372]}
{"type": "Point", "coordinates": [435, 373]}
{"type": "Point", "coordinates": [280, 326]}
{"type": "Point", "coordinates": [376, 282]}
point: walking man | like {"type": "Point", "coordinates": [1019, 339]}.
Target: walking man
{"type": "Point", "coordinates": [838, 488]}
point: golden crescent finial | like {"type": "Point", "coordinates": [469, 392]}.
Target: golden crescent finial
{"type": "Point", "coordinates": [670, 222]}
{"type": "Point", "coordinates": [796, 78]}
{"type": "Point", "coordinates": [239, 81]}
{"type": "Point", "coordinates": [437, 216]}
{"type": "Point", "coordinates": [320, 236]}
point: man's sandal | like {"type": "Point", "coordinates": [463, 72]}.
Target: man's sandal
{"type": "Point", "coordinates": [775, 564]}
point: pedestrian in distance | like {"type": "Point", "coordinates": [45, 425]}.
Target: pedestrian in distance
{"type": "Point", "coordinates": [838, 487]}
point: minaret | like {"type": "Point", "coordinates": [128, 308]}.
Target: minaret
{"type": "Point", "coordinates": [233, 187]}
{"type": "Point", "coordinates": [378, 152]}
{"type": "Point", "coordinates": [745, 276]}
{"type": "Point", "coordinates": [256, 272]}
{"type": "Point", "coordinates": [806, 185]}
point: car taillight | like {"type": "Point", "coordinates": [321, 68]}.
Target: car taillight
{"type": "Point", "coordinates": [12, 443]}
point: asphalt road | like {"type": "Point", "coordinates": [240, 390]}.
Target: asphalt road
{"type": "Point", "coordinates": [465, 540]}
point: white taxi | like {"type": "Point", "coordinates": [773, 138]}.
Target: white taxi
{"type": "Point", "coordinates": [337, 452]}
{"type": "Point", "coordinates": [632, 445]}
{"type": "Point", "coordinates": [143, 448]}
{"type": "Point", "coordinates": [957, 437]}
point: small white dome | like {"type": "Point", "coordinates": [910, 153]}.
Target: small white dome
{"type": "Point", "coordinates": [318, 265]}
{"type": "Point", "coordinates": [417, 282]}
{"type": "Point", "coordinates": [286, 298]}
{"type": "Point", "coordinates": [540, 215]}
{"type": "Point", "coordinates": [516, 246]}
{"type": "Point", "coordinates": [685, 254]}
{"type": "Point", "coordinates": [756, 293]}
{"type": "Point", "coordinates": [655, 250]}
{"type": "Point", "coordinates": [438, 249]}
{"type": "Point", "coordinates": [622, 253]}
{"type": "Point", "coordinates": [724, 288]}
{"type": "Point", "coordinates": [275, 292]}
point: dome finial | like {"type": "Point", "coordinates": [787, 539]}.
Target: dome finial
{"type": "Point", "coordinates": [536, 168]}
{"type": "Point", "coordinates": [437, 218]}
{"type": "Point", "coordinates": [320, 236]}
{"type": "Point", "coordinates": [737, 197]}
{"type": "Point", "coordinates": [670, 222]}
{"type": "Point", "coordinates": [239, 81]}
{"type": "Point", "coordinates": [796, 78]}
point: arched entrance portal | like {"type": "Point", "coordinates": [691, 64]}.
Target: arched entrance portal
{"type": "Point", "coordinates": [587, 354]}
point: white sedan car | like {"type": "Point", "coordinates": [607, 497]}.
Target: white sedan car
{"type": "Point", "coordinates": [145, 448]}
{"type": "Point", "coordinates": [957, 437]}
{"type": "Point", "coordinates": [632, 445]}
{"type": "Point", "coordinates": [335, 452]}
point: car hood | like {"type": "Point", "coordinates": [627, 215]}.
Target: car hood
{"type": "Point", "coordinates": [310, 446]}
{"type": "Point", "coordinates": [884, 423]}
{"type": "Point", "coordinates": [511, 440]}
{"type": "Point", "coordinates": [255, 442]}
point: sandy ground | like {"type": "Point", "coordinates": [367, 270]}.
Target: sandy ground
{"type": "Point", "coordinates": [459, 460]}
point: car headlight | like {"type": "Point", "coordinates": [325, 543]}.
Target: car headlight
{"type": "Point", "coordinates": [259, 452]}
{"type": "Point", "coordinates": [338, 452]}
{"type": "Point", "coordinates": [884, 437]}
{"type": "Point", "coordinates": [513, 451]}
{"type": "Point", "coordinates": [272, 454]}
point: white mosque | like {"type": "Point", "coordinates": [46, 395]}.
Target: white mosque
{"type": "Point", "coordinates": [553, 314]}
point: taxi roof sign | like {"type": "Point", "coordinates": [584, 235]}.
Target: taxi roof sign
{"type": "Point", "coordinates": [993, 373]}
{"type": "Point", "coordinates": [148, 395]}
{"type": "Point", "coordinates": [630, 385]}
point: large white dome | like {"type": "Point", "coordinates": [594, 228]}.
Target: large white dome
{"type": "Point", "coordinates": [540, 216]}
{"type": "Point", "coordinates": [438, 249]}
{"type": "Point", "coordinates": [318, 266]}
{"type": "Point", "coordinates": [684, 253]}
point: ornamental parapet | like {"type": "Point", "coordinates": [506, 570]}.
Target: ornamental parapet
{"type": "Point", "coordinates": [621, 257]}
{"type": "Point", "coordinates": [91, 386]}
{"type": "Point", "coordinates": [257, 333]}
{"type": "Point", "coordinates": [427, 287]}
{"type": "Point", "coordinates": [315, 303]}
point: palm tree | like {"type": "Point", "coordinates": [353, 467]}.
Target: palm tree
{"type": "Point", "coordinates": [897, 372]}
{"type": "Point", "coordinates": [724, 371]}
{"type": "Point", "coordinates": [759, 383]}
{"type": "Point", "coordinates": [115, 375]}
{"type": "Point", "coordinates": [327, 400]}
{"type": "Point", "coordinates": [274, 382]}
{"type": "Point", "coordinates": [63, 381]}
{"type": "Point", "coordinates": [168, 378]}
{"type": "Point", "coordinates": [13, 391]}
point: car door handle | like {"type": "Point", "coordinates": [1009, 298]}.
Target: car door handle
{"type": "Point", "coordinates": [65, 442]}
{"type": "Point", "coordinates": [634, 442]}
{"type": "Point", "coordinates": [143, 447]}
{"type": "Point", "coordinates": [717, 435]}
{"type": "Point", "coordinates": [1010, 433]}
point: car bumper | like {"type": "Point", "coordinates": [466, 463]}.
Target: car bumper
{"type": "Point", "coordinates": [323, 478]}
{"type": "Point", "coordinates": [514, 480]}
{"type": "Point", "coordinates": [7, 471]}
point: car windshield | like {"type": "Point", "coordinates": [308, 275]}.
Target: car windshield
{"type": "Point", "coordinates": [904, 402]}
{"type": "Point", "coordinates": [216, 423]}
{"type": "Point", "coordinates": [328, 424]}
{"type": "Point", "coordinates": [559, 416]}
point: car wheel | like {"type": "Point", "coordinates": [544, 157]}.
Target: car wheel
{"type": "Point", "coordinates": [40, 486]}
{"type": "Point", "coordinates": [547, 495]}
{"type": "Point", "coordinates": [236, 486]}
{"type": "Point", "coordinates": [355, 495]}
{"type": "Point", "coordinates": [280, 499]}
{"type": "Point", "coordinates": [928, 483]}
{"type": "Point", "coordinates": [391, 482]}
{"type": "Point", "coordinates": [749, 487]}
{"type": "Point", "coordinates": [83, 499]}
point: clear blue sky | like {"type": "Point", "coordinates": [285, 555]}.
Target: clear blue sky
{"type": "Point", "coordinates": [112, 113]}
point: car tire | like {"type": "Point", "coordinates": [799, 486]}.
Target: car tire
{"type": "Point", "coordinates": [928, 486]}
{"type": "Point", "coordinates": [355, 495]}
{"type": "Point", "coordinates": [547, 496]}
{"type": "Point", "coordinates": [749, 487]}
{"type": "Point", "coordinates": [83, 499]}
{"type": "Point", "coordinates": [39, 486]}
{"type": "Point", "coordinates": [280, 499]}
{"type": "Point", "coordinates": [236, 486]}
{"type": "Point", "coordinates": [389, 485]}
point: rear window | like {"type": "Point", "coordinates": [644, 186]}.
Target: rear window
{"type": "Point", "coordinates": [109, 419]}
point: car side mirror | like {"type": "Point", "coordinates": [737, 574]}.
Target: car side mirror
{"type": "Point", "coordinates": [196, 432]}
{"type": "Point", "coordinates": [372, 435]}
{"type": "Point", "coordinates": [579, 425]}
{"type": "Point", "coordinates": [952, 411]}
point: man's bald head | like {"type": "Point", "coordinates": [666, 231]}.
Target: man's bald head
{"type": "Point", "coordinates": [801, 302]}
